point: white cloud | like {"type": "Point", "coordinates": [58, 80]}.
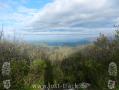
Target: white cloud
{"type": "Point", "coordinates": [15, 19]}
{"type": "Point", "coordinates": [83, 16]}
{"type": "Point", "coordinates": [64, 13]}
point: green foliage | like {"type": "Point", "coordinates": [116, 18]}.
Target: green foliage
{"type": "Point", "coordinates": [47, 65]}
{"type": "Point", "coordinates": [19, 70]}
{"type": "Point", "coordinates": [37, 70]}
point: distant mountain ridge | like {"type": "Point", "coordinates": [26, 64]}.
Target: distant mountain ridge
{"type": "Point", "coordinates": [61, 43]}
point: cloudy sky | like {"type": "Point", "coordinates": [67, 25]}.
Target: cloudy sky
{"type": "Point", "coordinates": [61, 19]}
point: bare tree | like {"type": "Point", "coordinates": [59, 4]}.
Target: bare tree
{"type": "Point", "coordinates": [2, 32]}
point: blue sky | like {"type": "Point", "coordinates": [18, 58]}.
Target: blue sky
{"type": "Point", "coordinates": [78, 18]}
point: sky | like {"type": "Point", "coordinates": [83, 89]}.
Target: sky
{"type": "Point", "coordinates": [58, 19]}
